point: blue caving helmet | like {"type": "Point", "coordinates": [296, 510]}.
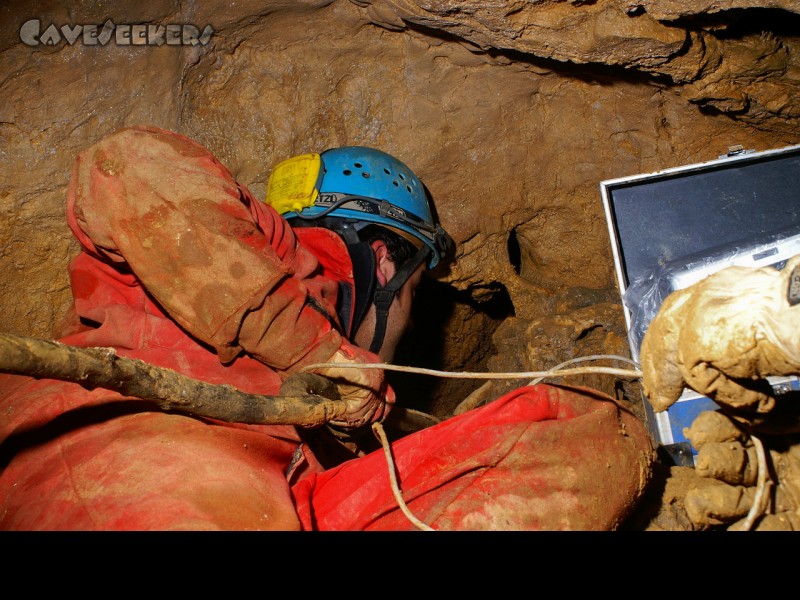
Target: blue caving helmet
{"type": "Point", "coordinates": [350, 187]}
{"type": "Point", "coordinates": [365, 185]}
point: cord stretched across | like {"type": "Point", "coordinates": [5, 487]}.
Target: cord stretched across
{"type": "Point", "coordinates": [634, 373]}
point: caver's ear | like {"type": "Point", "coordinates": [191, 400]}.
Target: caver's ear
{"type": "Point", "coordinates": [385, 268]}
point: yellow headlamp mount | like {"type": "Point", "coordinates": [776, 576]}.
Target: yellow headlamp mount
{"type": "Point", "coordinates": [294, 183]}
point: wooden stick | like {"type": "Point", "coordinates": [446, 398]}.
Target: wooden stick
{"type": "Point", "coordinates": [102, 367]}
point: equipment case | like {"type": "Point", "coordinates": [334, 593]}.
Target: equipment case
{"type": "Point", "coordinates": [671, 228]}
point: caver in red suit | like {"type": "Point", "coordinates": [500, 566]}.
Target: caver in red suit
{"type": "Point", "coordinates": [181, 267]}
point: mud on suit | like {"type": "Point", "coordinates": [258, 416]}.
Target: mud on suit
{"type": "Point", "coordinates": [182, 268]}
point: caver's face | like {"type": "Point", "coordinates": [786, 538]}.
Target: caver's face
{"type": "Point", "coordinates": [399, 319]}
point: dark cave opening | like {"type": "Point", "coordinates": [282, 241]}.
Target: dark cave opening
{"type": "Point", "coordinates": [451, 332]}
{"type": "Point", "coordinates": [514, 251]}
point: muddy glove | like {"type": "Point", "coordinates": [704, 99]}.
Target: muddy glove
{"type": "Point", "coordinates": [728, 465]}
{"type": "Point", "coordinates": [723, 336]}
{"type": "Point", "coordinates": [369, 398]}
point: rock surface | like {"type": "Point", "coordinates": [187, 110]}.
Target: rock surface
{"type": "Point", "coordinates": [511, 112]}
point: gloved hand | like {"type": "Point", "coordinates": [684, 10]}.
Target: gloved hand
{"type": "Point", "coordinates": [369, 398]}
{"type": "Point", "coordinates": [728, 466]}
{"type": "Point", "coordinates": [723, 336]}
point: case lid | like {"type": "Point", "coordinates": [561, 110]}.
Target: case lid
{"type": "Point", "coordinates": [661, 217]}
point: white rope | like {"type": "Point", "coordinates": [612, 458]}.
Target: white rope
{"type": "Point", "coordinates": [633, 373]}
{"type": "Point", "coordinates": [585, 358]}
{"type": "Point", "coordinates": [377, 429]}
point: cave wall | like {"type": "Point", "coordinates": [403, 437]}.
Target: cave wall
{"type": "Point", "coordinates": [511, 112]}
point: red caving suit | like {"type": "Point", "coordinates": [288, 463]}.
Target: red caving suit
{"type": "Point", "coordinates": [182, 268]}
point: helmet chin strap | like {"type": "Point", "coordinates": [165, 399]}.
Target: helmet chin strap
{"type": "Point", "coordinates": [384, 296]}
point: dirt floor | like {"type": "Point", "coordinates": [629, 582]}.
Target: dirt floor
{"type": "Point", "coordinates": [662, 508]}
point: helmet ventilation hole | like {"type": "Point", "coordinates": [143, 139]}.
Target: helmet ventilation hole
{"type": "Point", "coordinates": [365, 174]}
{"type": "Point", "coordinates": [347, 172]}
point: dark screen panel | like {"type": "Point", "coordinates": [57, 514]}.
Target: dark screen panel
{"type": "Point", "coordinates": [668, 216]}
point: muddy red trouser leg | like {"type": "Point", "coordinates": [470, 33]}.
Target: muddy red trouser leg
{"type": "Point", "coordinates": [539, 458]}
{"type": "Point", "coordinates": [149, 471]}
